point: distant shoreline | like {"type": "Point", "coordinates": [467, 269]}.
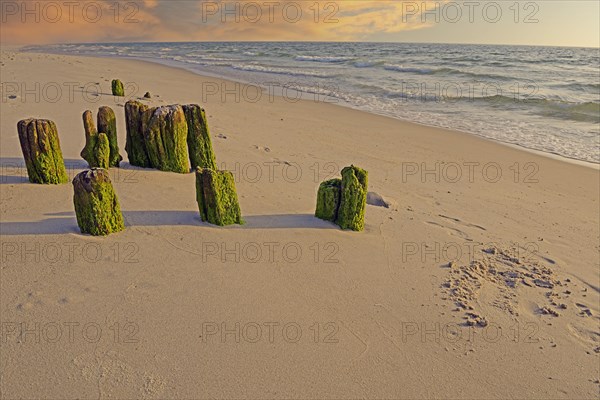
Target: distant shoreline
{"type": "Point", "coordinates": [20, 46]}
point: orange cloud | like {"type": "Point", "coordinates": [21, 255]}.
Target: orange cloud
{"type": "Point", "coordinates": [298, 20]}
{"type": "Point", "coordinates": [40, 22]}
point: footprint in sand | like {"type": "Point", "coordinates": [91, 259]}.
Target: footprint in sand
{"type": "Point", "coordinates": [266, 149]}
{"type": "Point", "coordinates": [451, 231]}
{"type": "Point", "coordinates": [585, 310]}
{"type": "Point", "coordinates": [32, 299]}
{"type": "Point", "coordinates": [117, 372]}
{"type": "Point", "coordinates": [71, 299]}
{"type": "Point", "coordinates": [456, 230]}
{"type": "Point", "coordinates": [463, 223]}
{"type": "Point", "coordinates": [495, 279]}
{"type": "Point", "coordinates": [587, 337]}
{"type": "Point", "coordinates": [281, 162]}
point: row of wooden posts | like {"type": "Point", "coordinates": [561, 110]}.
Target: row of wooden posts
{"type": "Point", "coordinates": [169, 138]}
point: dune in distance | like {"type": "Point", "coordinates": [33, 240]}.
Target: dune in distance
{"type": "Point", "coordinates": [454, 260]}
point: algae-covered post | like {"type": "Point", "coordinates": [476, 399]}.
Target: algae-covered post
{"type": "Point", "coordinates": [217, 198]}
{"type": "Point", "coordinates": [351, 213]}
{"type": "Point", "coordinates": [169, 138]}
{"type": "Point", "coordinates": [97, 145]}
{"type": "Point", "coordinates": [165, 135]}
{"type": "Point", "coordinates": [102, 151]}
{"type": "Point", "coordinates": [328, 200]}
{"type": "Point", "coordinates": [107, 123]}
{"type": "Point", "coordinates": [91, 137]}
{"type": "Point", "coordinates": [198, 138]}
{"type": "Point", "coordinates": [134, 145]}
{"type": "Point", "coordinates": [343, 201]}
{"type": "Point", "coordinates": [117, 88]}
{"type": "Point", "coordinates": [96, 205]}
{"type": "Point", "coordinates": [41, 150]}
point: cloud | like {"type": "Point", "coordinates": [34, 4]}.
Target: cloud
{"type": "Point", "coordinates": [40, 22]}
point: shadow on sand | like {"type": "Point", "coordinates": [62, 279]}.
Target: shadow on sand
{"type": "Point", "coordinates": [13, 171]}
{"type": "Point", "coordinates": [65, 222]}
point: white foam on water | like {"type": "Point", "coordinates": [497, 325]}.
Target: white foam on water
{"type": "Point", "coordinates": [542, 98]}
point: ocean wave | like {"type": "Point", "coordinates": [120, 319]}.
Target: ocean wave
{"type": "Point", "coordinates": [218, 60]}
{"type": "Point", "coordinates": [279, 71]}
{"type": "Point", "coordinates": [367, 64]}
{"type": "Point", "coordinates": [208, 57]}
{"type": "Point", "coordinates": [317, 90]}
{"type": "Point", "coordinates": [585, 87]}
{"type": "Point", "coordinates": [574, 111]}
{"type": "Point", "coordinates": [209, 63]}
{"type": "Point", "coordinates": [445, 71]}
{"type": "Point", "coordinates": [324, 59]}
{"type": "Point", "coordinates": [481, 75]}
{"type": "Point", "coordinates": [583, 112]}
{"type": "Point", "coordinates": [564, 110]}
{"type": "Point", "coordinates": [400, 68]}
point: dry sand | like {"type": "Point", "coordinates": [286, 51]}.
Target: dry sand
{"type": "Point", "coordinates": [288, 306]}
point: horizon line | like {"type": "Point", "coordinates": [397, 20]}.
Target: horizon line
{"type": "Point", "coordinates": [307, 41]}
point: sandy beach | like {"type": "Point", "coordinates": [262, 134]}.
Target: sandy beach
{"type": "Point", "coordinates": [287, 305]}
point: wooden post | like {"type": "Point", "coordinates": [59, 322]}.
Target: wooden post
{"type": "Point", "coordinates": [107, 123]}
{"type": "Point", "coordinates": [96, 205]}
{"type": "Point", "coordinates": [117, 88]}
{"type": "Point", "coordinates": [135, 146]}
{"type": "Point", "coordinates": [328, 200]}
{"type": "Point", "coordinates": [351, 214]}
{"type": "Point", "coordinates": [198, 138]}
{"type": "Point", "coordinates": [217, 198]}
{"type": "Point", "coordinates": [41, 150]}
{"type": "Point", "coordinates": [165, 136]}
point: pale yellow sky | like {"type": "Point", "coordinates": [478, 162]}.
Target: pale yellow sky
{"type": "Point", "coordinates": [546, 22]}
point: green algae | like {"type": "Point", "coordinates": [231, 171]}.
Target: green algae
{"type": "Point", "coordinates": [88, 153]}
{"type": "Point", "coordinates": [102, 151]}
{"type": "Point", "coordinates": [328, 200]}
{"type": "Point", "coordinates": [117, 88]}
{"type": "Point", "coordinates": [107, 123]}
{"type": "Point", "coordinates": [217, 198]}
{"type": "Point", "coordinates": [97, 149]}
{"type": "Point", "coordinates": [165, 136]}
{"type": "Point", "coordinates": [135, 145]}
{"type": "Point", "coordinates": [198, 138]}
{"type": "Point", "coordinates": [96, 204]}
{"type": "Point", "coordinates": [351, 213]}
{"type": "Point", "coordinates": [41, 149]}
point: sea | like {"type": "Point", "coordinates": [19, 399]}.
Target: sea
{"type": "Point", "coordinates": [540, 98]}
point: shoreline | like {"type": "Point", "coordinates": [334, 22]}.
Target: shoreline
{"type": "Point", "coordinates": [203, 74]}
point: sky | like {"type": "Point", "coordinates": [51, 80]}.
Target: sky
{"type": "Point", "coordinates": [542, 22]}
